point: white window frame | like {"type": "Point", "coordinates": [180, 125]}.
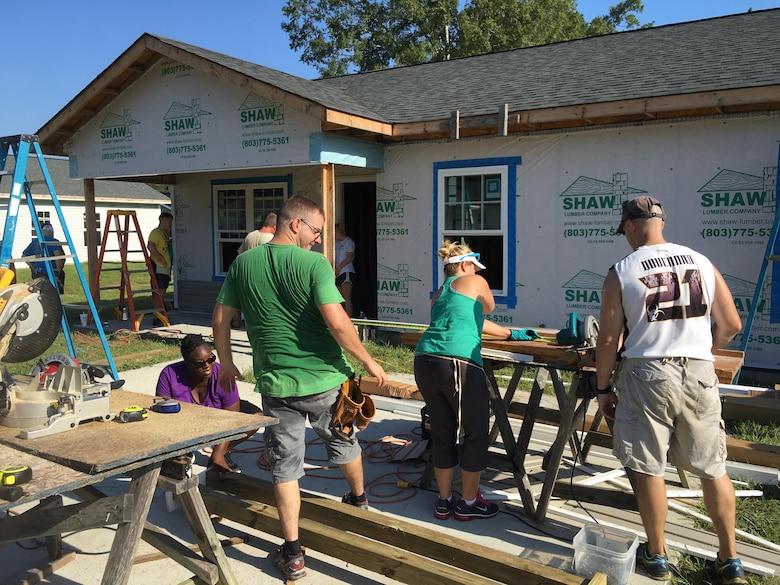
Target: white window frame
{"type": "Point", "coordinates": [502, 170]}
{"type": "Point", "coordinates": [236, 236]}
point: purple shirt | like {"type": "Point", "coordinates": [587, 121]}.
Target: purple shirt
{"type": "Point", "coordinates": [174, 382]}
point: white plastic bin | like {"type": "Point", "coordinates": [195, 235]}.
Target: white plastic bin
{"type": "Point", "coordinates": [602, 549]}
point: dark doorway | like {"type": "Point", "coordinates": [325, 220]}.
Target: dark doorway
{"type": "Point", "coordinates": [360, 225]}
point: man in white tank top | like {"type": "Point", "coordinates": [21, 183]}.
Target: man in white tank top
{"type": "Point", "coordinates": [672, 307]}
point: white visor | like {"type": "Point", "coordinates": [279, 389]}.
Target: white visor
{"type": "Point", "coordinates": [472, 257]}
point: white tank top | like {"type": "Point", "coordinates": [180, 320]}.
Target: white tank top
{"type": "Point", "coordinates": [667, 297]}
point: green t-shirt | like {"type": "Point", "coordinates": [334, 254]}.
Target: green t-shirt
{"type": "Point", "coordinates": [456, 326]}
{"type": "Point", "coordinates": [279, 289]}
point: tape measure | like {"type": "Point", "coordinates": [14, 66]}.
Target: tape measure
{"type": "Point", "coordinates": [133, 414]}
{"type": "Point", "coordinates": [15, 475]}
{"type": "Point", "coordinates": [167, 406]}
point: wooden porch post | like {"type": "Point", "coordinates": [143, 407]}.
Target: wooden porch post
{"type": "Point", "coordinates": [92, 240]}
{"type": "Point", "coordinates": [328, 179]}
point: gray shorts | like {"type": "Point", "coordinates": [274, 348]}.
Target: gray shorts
{"type": "Point", "coordinates": [286, 442]}
{"type": "Point", "coordinates": [671, 407]}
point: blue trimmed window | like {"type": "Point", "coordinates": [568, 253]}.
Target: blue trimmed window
{"type": "Point", "coordinates": [474, 201]}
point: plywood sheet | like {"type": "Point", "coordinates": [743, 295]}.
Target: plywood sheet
{"type": "Point", "coordinates": [99, 446]}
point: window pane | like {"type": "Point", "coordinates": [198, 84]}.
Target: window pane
{"type": "Point", "coordinates": [491, 250]}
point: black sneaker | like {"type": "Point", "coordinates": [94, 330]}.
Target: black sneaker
{"type": "Point", "coordinates": [479, 509]}
{"type": "Point", "coordinates": [232, 464]}
{"type": "Point", "coordinates": [352, 500]}
{"type": "Point", "coordinates": [293, 566]}
{"type": "Point", "coordinates": [728, 572]}
{"type": "Point", "coordinates": [231, 468]}
{"type": "Point", "coordinates": [444, 507]}
{"type": "Point", "coordinates": [655, 566]}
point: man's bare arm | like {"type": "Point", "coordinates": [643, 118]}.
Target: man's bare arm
{"type": "Point", "coordinates": [220, 330]}
{"type": "Point", "coordinates": [343, 331]}
{"type": "Point", "coordinates": [610, 328]}
{"type": "Point", "coordinates": [726, 320]}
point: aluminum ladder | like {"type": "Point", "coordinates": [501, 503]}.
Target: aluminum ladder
{"type": "Point", "coordinates": [23, 147]}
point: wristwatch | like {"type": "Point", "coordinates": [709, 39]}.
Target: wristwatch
{"type": "Point", "coordinates": [606, 390]}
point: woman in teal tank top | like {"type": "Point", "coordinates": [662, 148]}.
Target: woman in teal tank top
{"type": "Point", "coordinates": [448, 371]}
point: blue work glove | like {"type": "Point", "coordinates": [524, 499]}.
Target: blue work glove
{"type": "Point", "coordinates": [523, 335]}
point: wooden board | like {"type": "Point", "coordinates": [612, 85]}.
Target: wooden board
{"type": "Point", "coordinates": [413, 553]}
{"type": "Point", "coordinates": [99, 446]}
{"type": "Point", "coordinates": [566, 357]}
{"type": "Point", "coordinates": [560, 356]}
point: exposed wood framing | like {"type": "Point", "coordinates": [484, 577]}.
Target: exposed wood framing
{"type": "Point", "coordinates": [455, 125]}
{"type": "Point", "coordinates": [92, 237]}
{"type": "Point", "coordinates": [407, 552]}
{"type": "Point", "coordinates": [340, 119]}
{"type": "Point", "coordinates": [328, 180]}
{"type": "Point", "coordinates": [503, 119]}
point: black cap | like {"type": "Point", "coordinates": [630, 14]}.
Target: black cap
{"type": "Point", "coordinates": [640, 208]}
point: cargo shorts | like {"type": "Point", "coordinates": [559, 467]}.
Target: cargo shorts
{"type": "Point", "coordinates": [285, 442]}
{"type": "Point", "coordinates": [669, 408]}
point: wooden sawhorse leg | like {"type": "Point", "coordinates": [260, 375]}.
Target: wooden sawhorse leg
{"type": "Point", "coordinates": [128, 535]}
{"type": "Point", "coordinates": [517, 449]}
{"type": "Point", "coordinates": [205, 535]}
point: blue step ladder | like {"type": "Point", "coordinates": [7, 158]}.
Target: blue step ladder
{"type": "Point", "coordinates": [772, 255]}
{"type": "Point", "coordinates": [24, 147]}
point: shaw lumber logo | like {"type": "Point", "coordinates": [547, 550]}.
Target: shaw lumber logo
{"type": "Point", "coordinates": [181, 119]}
{"type": "Point", "coordinates": [588, 196]}
{"type": "Point", "coordinates": [733, 192]}
{"type": "Point", "coordinates": [394, 283]}
{"type": "Point", "coordinates": [583, 290]}
{"type": "Point", "coordinates": [256, 111]}
{"type": "Point", "coordinates": [390, 202]}
{"type": "Point", "coordinates": [117, 128]}
{"type": "Point", "coordinates": [743, 291]}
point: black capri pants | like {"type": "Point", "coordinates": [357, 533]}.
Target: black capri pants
{"type": "Point", "coordinates": [454, 389]}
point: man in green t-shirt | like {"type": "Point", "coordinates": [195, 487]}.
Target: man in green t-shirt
{"type": "Point", "coordinates": [297, 328]}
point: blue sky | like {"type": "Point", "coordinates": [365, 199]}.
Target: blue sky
{"type": "Point", "coordinates": [54, 49]}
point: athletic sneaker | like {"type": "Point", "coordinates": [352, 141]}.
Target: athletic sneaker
{"type": "Point", "coordinates": [291, 565]}
{"type": "Point", "coordinates": [232, 464]}
{"type": "Point", "coordinates": [656, 566]}
{"type": "Point", "coordinates": [352, 500]}
{"type": "Point", "coordinates": [444, 507]}
{"type": "Point", "coordinates": [479, 509]}
{"type": "Point", "coordinates": [728, 572]}
{"type": "Point", "coordinates": [231, 468]}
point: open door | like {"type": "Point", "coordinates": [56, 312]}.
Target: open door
{"type": "Point", "coordinates": [360, 225]}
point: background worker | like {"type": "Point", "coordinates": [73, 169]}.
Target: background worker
{"type": "Point", "coordinates": [194, 381]}
{"type": "Point", "coordinates": [345, 269]}
{"type": "Point", "coordinates": [38, 269]}
{"type": "Point", "coordinates": [262, 235]}
{"type": "Point", "coordinates": [448, 371]}
{"type": "Point", "coordinates": [297, 328]}
{"type": "Point", "coordinates": [160, 254]}
{"type": "Point", "coordinates": [673, 307]}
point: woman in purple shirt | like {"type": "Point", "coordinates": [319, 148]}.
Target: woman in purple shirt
{"type": "Point", "coordinates": [194, 380]}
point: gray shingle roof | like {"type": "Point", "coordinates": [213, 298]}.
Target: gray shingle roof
{"type": "Point", "coordinates": [330, 97]}
{"type": "Point", "coordinates": [721, 53]}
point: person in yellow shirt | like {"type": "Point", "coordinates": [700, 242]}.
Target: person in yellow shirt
{"type": "Point", "coordinates": [159, 252]}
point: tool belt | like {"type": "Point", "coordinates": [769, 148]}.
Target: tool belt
{"type": "Point", "coordinates": [353, 410]}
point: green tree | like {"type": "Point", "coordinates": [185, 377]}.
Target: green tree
{"type": "Point", "coordinates": [343, 36]}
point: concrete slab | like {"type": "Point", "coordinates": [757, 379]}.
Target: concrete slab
{"type": "Point", "coordinates": [396, 424]}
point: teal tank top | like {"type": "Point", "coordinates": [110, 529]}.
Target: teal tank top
{"type": "Point", "coordinates": [456, 326]}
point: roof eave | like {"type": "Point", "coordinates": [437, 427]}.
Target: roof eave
{"type": "Point", "coordinates": [711, 103]}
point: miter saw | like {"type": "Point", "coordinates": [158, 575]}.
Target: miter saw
{"type": "Point", "coordinates": [58, 394]}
